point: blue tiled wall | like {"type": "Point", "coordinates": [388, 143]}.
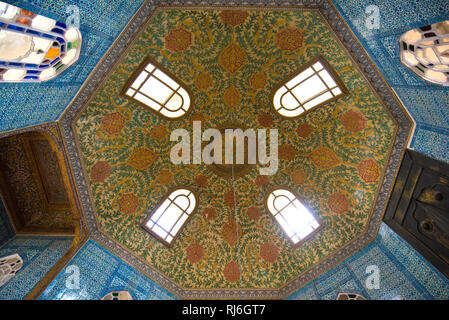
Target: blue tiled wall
{"type": "Point", "coordinates": [404, 274]}
{"type": "Point", "coordinates": [6, 229]}
{"type": "Point", "coordinates": [39, 255]}
{"type": "Point", "coordinates": [100, 273]}
{"type": "Point", "coordinates": [427, 103]}
{"type": "Point", "coordinates": [101, 22]}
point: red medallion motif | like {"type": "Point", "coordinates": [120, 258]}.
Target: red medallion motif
{"type": "Point", "coordinates": [209, 213]}
{"type": "Point", "coordinates": [201, 180]}
{"type": "Point", "coordinates": [141, 158]}
{"type": "Point", "coordinates": [298, 176]}
{"type": "Point", "coordinates": [286, 152]}
{"type": "Point", "coordinates": [159, 132]}
{"type": "Point", "coordinates": [203, 81]}
{"type": "Point", "coordinates": [165, 176]}
{"type": "Point", "coordinates": [261, 181]}
{"type": "Point", "coordinates": [253, 213]}
{"type": "Point", "coordinates": [231, 97]}
{"type": "Point", "coordinates": [258, 80]}
{"type": "Point", "coordinates": [265, 120]}
{"type": "Point", "coordinates": [353, 121]}
{"type": "Point", "coordinates": [304, 130]}
{"type": "Point", "coordinates": [232, 58]}
{"type": "Point", "coordinates": [324, 158]}
{"type": "Point", "coordinates": [178, 40]}
{"type": "Point", "coordinates": [231, 232]}
{"type": "Point", "coordinates": [198, 117]}
{"type": "Point", "coordinates": [229, 199]}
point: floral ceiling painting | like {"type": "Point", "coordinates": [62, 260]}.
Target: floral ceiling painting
{"type": "Point", "coordinates": [333, 157]}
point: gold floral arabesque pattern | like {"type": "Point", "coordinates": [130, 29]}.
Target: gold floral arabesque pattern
{"type": "Point", "coordinates": [332, 157]}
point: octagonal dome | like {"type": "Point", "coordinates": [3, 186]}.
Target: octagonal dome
{"type": "Point", "coordinates": [340, 158]}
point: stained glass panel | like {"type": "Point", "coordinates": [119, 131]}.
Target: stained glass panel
{"type": "Point", "coordinates": [34, 48]}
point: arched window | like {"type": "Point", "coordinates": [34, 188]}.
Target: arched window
{"type": "Point", "coordinates": [154, 87]}
{"type": "Point", "coordinates": [294, 218]}
{"type": "Point", "coordinates": [425, 51]}
{"type": "Point", "coordinates": [169, 217]}
{"type": "Point", "coordinates": [34, 48]}
{"type": "Point", "coordinates": [9, 266]}
{"type": "Point", "coordinates": [313, 85]}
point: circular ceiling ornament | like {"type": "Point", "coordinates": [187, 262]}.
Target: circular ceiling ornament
{"type": "Point", "coordinates": [225, 170]}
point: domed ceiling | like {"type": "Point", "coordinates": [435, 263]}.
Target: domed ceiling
{"type": "Point", "coordinates": [341, 158]}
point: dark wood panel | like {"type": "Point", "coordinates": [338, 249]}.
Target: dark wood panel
{"type": "Point", "coordinates": [418, 209]}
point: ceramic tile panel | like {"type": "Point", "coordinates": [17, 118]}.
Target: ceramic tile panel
{"type": "Point", "coordinates": [100, 273]}
{"type": "Point", "coordinates": [404, 274]}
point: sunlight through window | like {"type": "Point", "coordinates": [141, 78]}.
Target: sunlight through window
{"type": "Point", "coordinates": [166, 220]}
{"type": "Point", "coordinates": [294, 218]}
{"type": "Point", "coordinates": [157, 90]}
{"type": "Point", "coordinates": [314, 85]}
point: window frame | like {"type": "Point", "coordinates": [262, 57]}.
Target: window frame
{"type": "Point", "coordinates": [157, 65]}
{"type": "Point", "coordinates": [292, 75]}
{"type": "Point", "coordinates": [310, 235]}
{"type": "Point", "coordinates": [157, 206]}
